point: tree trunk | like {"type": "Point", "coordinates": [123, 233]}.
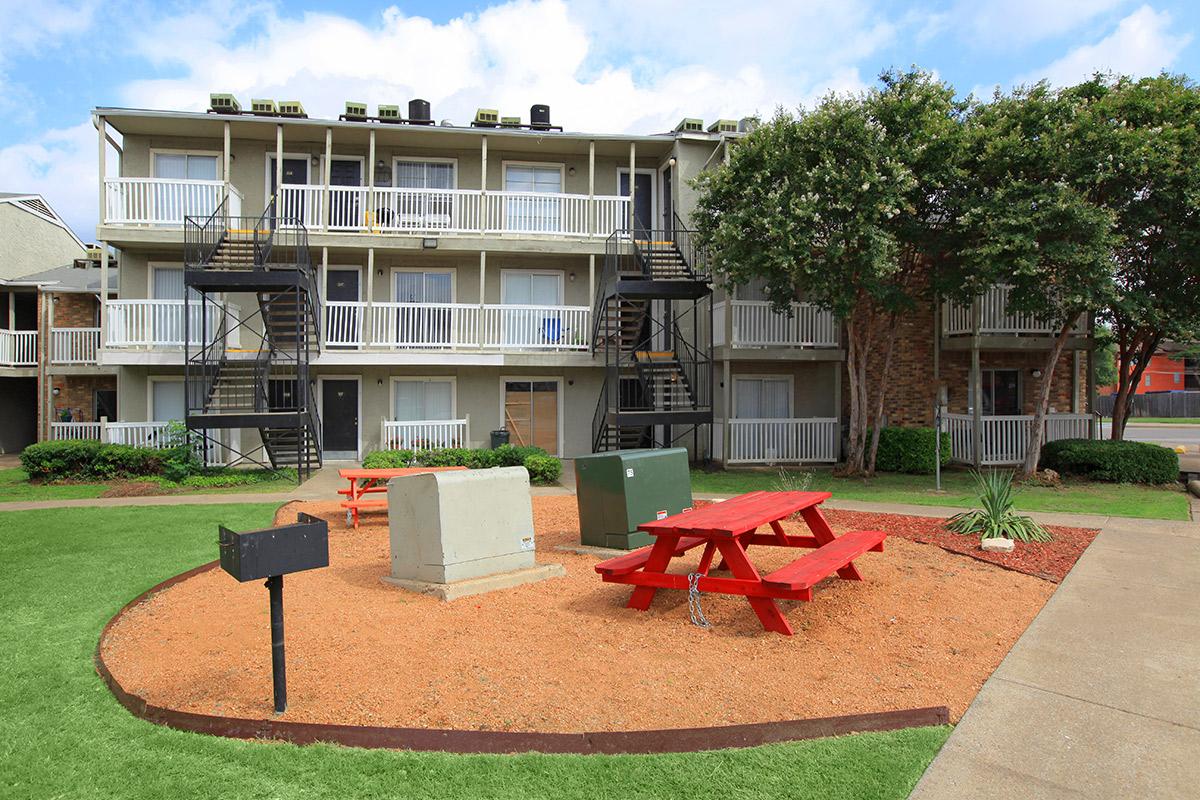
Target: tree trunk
{"type": "Point", "coordinates": [858, 348]}
{"type": "Point", "coordinates": [1133, 357]}
{"type": "Point", "coordinates": [877, 417]}
{"type": "Point", "coordinates": [1033, 451]}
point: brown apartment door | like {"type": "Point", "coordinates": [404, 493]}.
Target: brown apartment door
{"type": "Point", "coordinates": [531, 413]}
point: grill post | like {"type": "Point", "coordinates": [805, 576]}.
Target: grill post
{"type": "Point", "coordinates": [274, 585]}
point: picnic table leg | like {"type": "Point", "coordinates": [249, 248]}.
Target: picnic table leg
{"type": "Point", "coordinates": [768, 613]}
{"type": "Point", "coordinates": [706, 560]}
{"type": "Point", "coordinates": [723, 565]}
{"type": "Point", "coordinates": [824, 535]}
{"type": "Point", "coordinates": [661, 553]}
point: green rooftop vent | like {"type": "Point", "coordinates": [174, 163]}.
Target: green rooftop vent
{"type": "Point", "coordinates": [724, 126]}
{"type": "Point", "coordinates": [486, 118]}
{"type": "Point", "coordinates": [355, 111]}
{"type": "Point", "coordinates": [224, 104]}
{"type": "Point", "coordinates": [389, 114]}
{"type": "Point", "coordinates": [264, 107]}
{"type": "Point", "coordinates": [690, 125]}
{"type": "Point", "coordinates": [291, 108]}
{"type": "Point", "coordinates": [510, 122]}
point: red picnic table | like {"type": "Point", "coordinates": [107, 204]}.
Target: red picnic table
{"type": "Point", "coordinates": [729, 528]}
{"type": "Point", "coordinates": [366, 482]}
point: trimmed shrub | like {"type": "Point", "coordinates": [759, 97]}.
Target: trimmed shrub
{"type": "Point", "coordinates": [68, 458]}
{"type": "Point", "coordinates": [543, 470]}
{"type": "Point", "coordinates": [911, 450]}
{"type": "Point", "coordinates": [125, 461]}
{"type": "Point", "coordinates": [1106, 460]}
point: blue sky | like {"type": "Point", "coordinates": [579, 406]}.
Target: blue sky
{"type": "Point", "coordinates": [603, 65]}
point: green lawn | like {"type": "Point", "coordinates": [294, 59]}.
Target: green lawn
{"type": "Point", "coordinates": [1080, 497]}
{"type": "Point", "coordinates": [1171, 420]}
{"type": "Point", "coordinates": [63, 735]}
{"type": "Point", "coordinates": [15, 487]}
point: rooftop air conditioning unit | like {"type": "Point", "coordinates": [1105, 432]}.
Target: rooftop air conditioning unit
{"type": "Point", "coordinates": [264, 108]}
{"type": "Point", "coordinates": [419, 112]}
{"type": "Point", "coordinates": [389, 113]}
{"type": "Point", "coordinates": [724, 126]}
{"type": "Point", "coordinates": [486, 118]}
{"type": "Point", "coordinates": [747, 124]}
{"type": "Point", "coordinates": [690, 125]}
{"type": "Point", "coordinates": [539, 116]}
{"type": "Point", "coordinates": [510, 122]}
{"type": "Point", "coordinates": [291, 108]}
{"type": "Point", "coordinates": [355, 111]}
{"type": "Point", "coordinates": [224, 104]}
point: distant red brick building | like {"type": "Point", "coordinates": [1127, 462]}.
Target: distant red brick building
{"type": "Point", "coordinates": [1167, 372]}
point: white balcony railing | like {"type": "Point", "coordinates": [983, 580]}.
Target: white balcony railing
{"type": "Point", "coordinates": [1004, 438]}
{"type": "Point", "coordinates": [164, 201]}
{"type": "Point", "coordinates": [757, 324]}
{"type": "Point", "coordinates": [74, 345]}
{"type": "Point", "coordinates": [153, 435]}
{"type": "Point", "coordinates": [781, 441]}
{"type": "Point", "coordinates": [425, 434]}
{"type": "Point", "coordinates": [444, 326]}
{"type": "Point", "coordinates": [994, 317]}
{"type": "Point", "coordinates": [18, 348]}
{"type": "Point", "coordinates": [453, 211]}
{"type": "Point", "coordinates": [151, 324]}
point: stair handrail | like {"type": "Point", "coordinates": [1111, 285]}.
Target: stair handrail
{"type": "Point", "coordinates": [264, 235]}
{"type": "Point", "coordinates": [600, 417]}
{"type": "Point", "coordinates": [314, 416]}
{"type": "Point", "coordinates": [695, 254]}
{"type": "Point", "coordinates": [201, 239]}
{"type": "Point", "coordinates": [262, 378]}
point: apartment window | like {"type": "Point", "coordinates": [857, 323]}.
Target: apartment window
{"type": "Point", "coordinates": [423, 399]}
{"type": "Point", "coordinates": [1176, 377]}
{"type": "Point", "coordinates": [1001, 392]}
{"type": "Point", "coordinates": [185, 166]}
{"type": "Point", "coordinates": [426, 209]}
{"type": "Point", "coordinates": [762, 397]}
{"type": "Point", "coordinates": [1147, 381]}
{"type": "Point", "coordinates": [172, 203]}
{"type": "Point", "coordinates": [530, 213]}
{"type": "Point", "coordinates": [166, 400]}
{"type": "Point", "coordinates": [756, 289]}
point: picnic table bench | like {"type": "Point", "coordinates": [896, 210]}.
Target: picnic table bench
{"type": "Point", "coordinates": [367, 482]}
{"type": "Point", "coordinates": [728, 528]}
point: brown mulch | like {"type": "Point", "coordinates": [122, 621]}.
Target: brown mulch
{"type": "Point", "coordinates": [1050, 560]}
{"type": "Point", "coordinates": [922, 629]}
{"type": "Point", "coordinates": [133, 489]}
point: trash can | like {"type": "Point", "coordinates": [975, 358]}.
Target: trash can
{"type": "Point", "coordinates": [619, 490]}
{"type": "Point", "coordinates": [499, 437]}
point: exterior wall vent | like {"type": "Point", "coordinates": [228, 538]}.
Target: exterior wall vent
{"type": "Point", "coordinates": [724, 126]}
{"type": "Point", "coordinates": [355, 111]}
{"type": "Point", "coordinates": [389, 113]}
{"type": "Point", "coordinates": [486, 118]}
{"type": "Point", "coordinates": [690, 125]}
{"type": "Point", "coordinates": [291, 108]}
{"type": "Point", "coordinates": [224, 104]}
{"type": "Point", "coordinates": [265, 108]}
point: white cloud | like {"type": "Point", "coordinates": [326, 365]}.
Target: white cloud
{"type": "Point", "coordinates": [61, 166]}
{"type": "Point", "coordinates": [1144, 43]}
{"type": "Point", "coordinates": [27, 30]}
{"type": "Point", "coordinates": [1004, 24]}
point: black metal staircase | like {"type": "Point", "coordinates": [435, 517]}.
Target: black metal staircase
{"type": "Point", "coordinates": [232, 387]}
{"type": "Point", "coordinates": [652, 326]}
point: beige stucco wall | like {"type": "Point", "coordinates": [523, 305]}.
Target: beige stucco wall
{"type": "Point", "coordinates": [30, 244]}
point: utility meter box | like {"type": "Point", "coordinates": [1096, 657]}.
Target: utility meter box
{"type": "Point", "coordinates": [619, 490]}
{"type": "Point", "coordinates": [454, 526]}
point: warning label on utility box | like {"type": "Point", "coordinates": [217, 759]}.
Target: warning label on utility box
{"type": "Point", "coordinates": [661, 514]}
{"type": "Point", "coordinates": [527, 542]}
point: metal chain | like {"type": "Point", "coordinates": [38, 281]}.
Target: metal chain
{"type": "Point", "coordinates": [694, 609]}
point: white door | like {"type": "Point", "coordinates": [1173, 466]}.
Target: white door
{"type": "Point", "coordinates": [416, 325]}
{"type": "Point", "coordinates": [536, 320]}
{"type": "Point", "coordinates": [530, 213]}
{"type": "Point", "coordinates": [173, 202]}
{"type": "Point", "coordinates": [432, 207]}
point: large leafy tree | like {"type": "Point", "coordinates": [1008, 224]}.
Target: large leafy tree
{"type": "Point", "coordinates": [1028, 214]}
{"type": "Point", "coordinates": [839, 205]}
{"type": "Point", "coordinates": [1152, 186]}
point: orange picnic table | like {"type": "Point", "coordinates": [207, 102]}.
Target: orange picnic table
{"type": "Point", "coordinates": [367, 482]}
{"type": "Point", "coordinates": [729, 528]}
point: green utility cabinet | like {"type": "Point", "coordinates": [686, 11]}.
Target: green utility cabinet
{"type": "Point", "coordinates": [619, 490]}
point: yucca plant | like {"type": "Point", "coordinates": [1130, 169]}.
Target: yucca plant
{"type": "Point", "coordinates": [997, 518]}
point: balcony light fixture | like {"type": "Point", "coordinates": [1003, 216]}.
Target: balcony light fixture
{"type": "Point", "coordinates": [671, 161]}
{"type": "Point", "coordinates": [570, 170]}
{"type": "Point", "coordinates": [429, 243]}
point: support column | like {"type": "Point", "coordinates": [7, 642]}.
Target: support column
{"type": "Point", "coordinates": [226, 154]}
{"type": "Point", "coordinates": [370, 219]}
{"type": "Point", "coordinates": [323, 283]}
{"type": "Point", "coordinates": [278, 163]}
{"type": "Point", "coordinates": [482, 277]}
{"type": "Point", "coordinates": [591, 277]}
{"type": "Point", "coordinates": [103, 299]}
{"type": "Point", "coordinates": [632, 185]}
{"type": "Point", "coordinates": [838, 368]}
{"type": "Point", "coordinates": [727, 411]}
{"type": "Point", "coordinates": [483, 206]}
{"type": "Point", "coordinates": [12, 311]}
{"type": "Point", "coordinates": [369, 311]}
{"type": "Point", "coordinates": [325, 209]}
{"type": "Point", "coordinates": [976, 408]}
{"type": "Point", "coordinates": [592, 187]}
{"type": "Point", "coordinates": [102, 131]}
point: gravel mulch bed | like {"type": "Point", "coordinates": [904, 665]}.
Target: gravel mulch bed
{"type": "Point", "coordinates": [922, 629]}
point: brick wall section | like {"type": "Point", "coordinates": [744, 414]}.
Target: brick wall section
{"type": "Point", "coordinates": [77, 393]}
{"type": "Point", "coordinates": [956, 367]}
{"type": "Point", "coordinates": [72, 310]}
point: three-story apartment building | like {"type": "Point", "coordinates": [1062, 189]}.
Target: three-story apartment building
{"type": "Point", "coordinates": [467, 278]}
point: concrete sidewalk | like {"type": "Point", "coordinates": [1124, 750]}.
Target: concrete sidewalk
{"type": "Point", "coordinates": [1100, 697]}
